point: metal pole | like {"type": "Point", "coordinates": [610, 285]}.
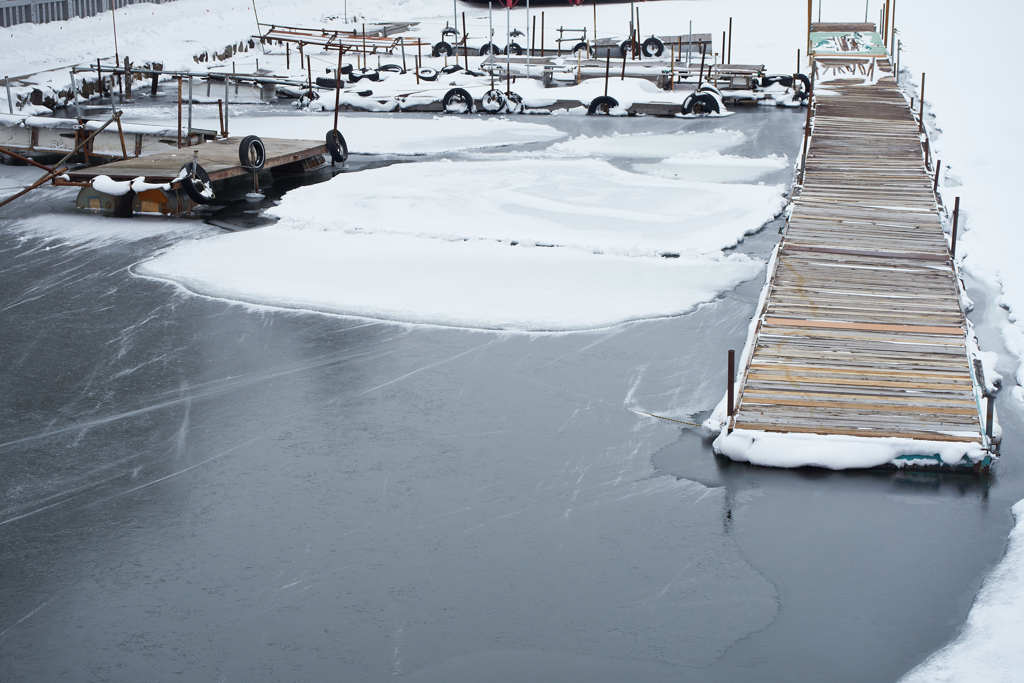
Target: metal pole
{"type": "Point", "coordinates": [190, 108]}
{"type": "Point", "coordinates": [113, 18]}
{"type": "Point", "coordinates": [490, 26]}
{"type": "Point", "coordinates": [938, 167]}
{"type": "Point", "coordinates": [920, 116]}
{"type": "Point", "coordinates": [455, 17]}
{"type": "Point", "coordinates": [990, 414]}
{"type": "Point", "coordinates": [529, 47]}
{"type": "Point", "coordinates": [74, 91]}
{"type": "Point", "coordinates": [730, 387]}
{"type": "Point", "coordinates": [689, 42]}
{"type": "Point", "coordinates": [10, 100]}
{"type": "Point", "coordinates": [227, 101]}
{"type": "Point", "coordinates": [337, 84]}
{"type": "Point", "coordinates": [819, 10]}
{"type": "Point", "coordinates": [508, 41]}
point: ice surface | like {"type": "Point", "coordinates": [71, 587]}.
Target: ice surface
{"type": "Point", "coordinates": [583, 203]}
{"type": "Point", "coordinates": [481, 284]}
{"type": "Point", "coordinates": [648, 145]}
{"type": "Point", "coordinates": [988, 649]}
{"type": "Point", "coordinates": [395, 134]}
{"type": "Point", "coordinates": [78, 229]}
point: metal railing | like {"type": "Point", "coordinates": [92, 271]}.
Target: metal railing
{"type": "Point", "coordinates": [42, 11]}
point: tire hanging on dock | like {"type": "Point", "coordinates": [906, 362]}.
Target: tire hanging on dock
{"type": "Point", "coordinates": [427, 74]}
{"type": "Point", "coordinates": [581, 47]}
{"type": "Point", "coordinates": [625, 47]}
{"type": "Point", "coordinates": [493, 101]}
{"type": "Point", "coordinates": [457, 101]}
{"type": "Point", "coordinates": [196, 183]}
{"type": "Point", "coordinates": [337, 146]}
{"type": "Point", "coordinates": [490, 49]}
{"type": "Point", "coordinates": [514, 103]}
{"type": "Point", "coordinates": [513, 49]}
{"type": "Point", "coordinates": [701, 103]}
{"type": "Point", "coordinates": [442, 49]}
{"type": "Point", "coordinates": [652, 47]}
{"type": "Point", "coordinates": [602, 104]}
{"type": "Point", "coordinates": [252, 153]}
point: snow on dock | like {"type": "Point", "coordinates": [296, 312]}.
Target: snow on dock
{"type": "Point", "coordinates": [860, 335]}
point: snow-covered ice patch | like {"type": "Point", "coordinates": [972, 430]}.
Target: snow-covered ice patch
{"type": "Point", "coordinates": [395, 134]}
{"type": "Point", "coordinates": [584, 203]}
{"type": "Point", "coordinates": [988, 649]}
{"type": "Point", "coordinates": [715, 168]}
{"type": "Point", "coordinates": [772, 449]}
{"type": "Point", "coordinates": [648, 145]}
{"type": "Point", "coordinates": [476, 284]}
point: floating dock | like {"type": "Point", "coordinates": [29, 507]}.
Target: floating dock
{"type": "Point", "coordinates": [861, 331]}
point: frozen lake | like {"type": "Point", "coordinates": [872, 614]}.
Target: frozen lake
{"type": "Point", "coordinates": [201, 490]}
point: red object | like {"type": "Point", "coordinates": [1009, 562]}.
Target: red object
{"type": "Point", "coordinates": [511, 3]}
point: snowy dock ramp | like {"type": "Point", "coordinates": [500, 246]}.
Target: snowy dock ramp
{"type": "Point", "coordinates": [218, 157]}
{"type": "Point", "coordinates": [861, 335]}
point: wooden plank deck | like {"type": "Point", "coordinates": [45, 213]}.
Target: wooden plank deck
{"type": "Point", "coordinates": [862, 331]}
{"type": "Point", "coordinates": [218, 157]}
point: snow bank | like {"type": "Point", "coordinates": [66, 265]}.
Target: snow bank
{"type": "Point", "coordinates": [479, 284]}
{"type": "Point", "coordinates": [395, 134]}
{"type": "Point", "coordinates": [587, 204]}
{"type": "Point", "coordinates": [773, 449]}
{"type": "Point", "coordinates": [988, 649]}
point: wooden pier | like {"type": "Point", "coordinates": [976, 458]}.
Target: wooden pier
{"type": "Point", "coordinates": [861, 331]}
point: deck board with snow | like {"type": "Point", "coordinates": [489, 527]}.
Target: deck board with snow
{"type": "Point", "coordinates": [862, 332]}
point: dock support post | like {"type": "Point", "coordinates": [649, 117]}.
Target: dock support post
{"type": "Point", "coordinates": [227, 105]}
{"type": "Point", "coordinates": [730, 41]}
{"type": "Point", "coordinates": [920, 116]}
{"type": "Point", "coordinates": [935, 184]}
{"type": "Point", "coordinates": [288, 56]}
{"type": "Point", "coordinates": [607, 66]}
{"type": "Point", "coordinates": [465, 41]}
{"type": "Point", "coordinates": [189, 109]}
{"type": "Point", "coordinates": [179, 112]}
{"type": "Point", "coordinates": [127, 78]}
{"type": "Point", "coordinates": [220, 117]}
{"type": "Point", "coordinates": [10, 100]}
{"type": "Point", "coordinates": [730, 387]}
{"type": "Point", "coordinates": [990, 414]}
{"type": "Point", "coordinates": [956, 221]}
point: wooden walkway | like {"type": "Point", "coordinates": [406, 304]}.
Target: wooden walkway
{"type": "Point", "coordinates": [862, 331]}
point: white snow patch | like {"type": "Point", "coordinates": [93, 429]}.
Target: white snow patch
{"type": "Point", "coordinates": [582, 203]}
{"type": "Point", "coordinates": [834, 452]}
{"type": "Point", "coordinates": [988, 648]}
{"type": "Point", "coordinates": [648, 145]}
{"type": "Point", "coordinates": [478, 284]}
{"type": "Point", "coordinates": [88, 230]}
{"type": "Point", "coordinates": [715, 168]}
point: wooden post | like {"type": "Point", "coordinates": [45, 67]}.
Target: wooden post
{"type": "Point", "coordinates": [607, 66]}
{"type": "Point", "coordinates": [892, 26]}
{"type": "Point", "coordinates": [956, 221]}
{"type": "Point", "coordinates": [810, 20]}
{"type": "Point", "coordinates": [127, 78]}
{"type": "Point", "coordinates": [639, 52]}
{"type": "Point", "coordinates": [465, 41]}
{"type": "Point", "coordinates": [730, 387]}
{"type": "Point", "coordinates": [179, 112]}
{"type": "Point", "coordinates": [220, 117]}
{"type": "Point", "coordinates": [730, 41]}
{"type": "Point", "coordinates": [120, 135]}
{"type": "Point", "coordinates": [403, 58]}
{"type": "Point", "coordinates": [419, 59]}
{"type": "Point", "coordinates": [337, 90]}
{"type": "Point", "coordinates": [671, 67]}
{"type": "Point", "coordinates": [364, 45]}
{"type": "Point", "coordinates": [595, 29]}
{"type": "Point", "coordinates": [153, 83]}
{"type": "Point", "coordinates": [533, 37]}
{"type": "Point", "coordinates": [302, 57]}
{"type": "Point", "coordinates": [723, 51]}
{"type": "Point", "coordinates": [920, 127]}
{"type": "Point", "coordinates": [288, 56]}
{"type": "Point", "coordinates": [99, 77]}
{"type": "Point", "coordinates": [417, 69]}
{"type": "Point", "coordinates": [309, 73]}
{"type": "Point", "coordinates": [798, 60]}
{"type": "Point", "coordinates": [938, 167]}
{"type": "Point", "coordinates": [623, 76]}
{"type": "Point", "coordinates": [990, 416]}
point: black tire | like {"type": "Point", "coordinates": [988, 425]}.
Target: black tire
{"type": "Point", "coordinates": [346, 69]}
{"type": "Point", "coordinates": [513, 49]}
{"type": "Point", "coordinates": [626, 48]}
{"type": "Point", "coordinates": [489, 49]}
{"type": "Point", "coordinates": [700, 103]}
{"type": "Point", "coordinates": [355, 76]}
{"type": "Point", "coordinates": [652, 47]}
{"type": "Point", "coordinates": [602, 104]}
{"type": "Point", "coordinates": [785, 81]}
{"type": "Point", "coordinates": [332, 83]}
{"type": "Point", "coordinates": [581, 47]}
{"type": "Point", "coordinates": [804, 80]}
{"type": "Point", "coordinates": [514, 103]}
{"type": "Point", "coordinates": [451, 68]}
{"type": "Point", "coordinates": [427, 74]}
{"type": "Point", "coordinates": [442, 49]}
{"type": "Point", "coordinates": [705, 87]}
{"type": "Point", "coordinates": [371, 75]}
{"type": "Point", "coordinates": [252, 153]}
{"type": "Point", "coordinates": [337, 146]}
{"type": "Point", "coordinates": [196, 183]}
{"type": "Point", "coordinates": [393, 68]}
{"type": "Point", "coordinates": [457, 101]}
{"type": "Point", "coordinates": [492, 102]}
